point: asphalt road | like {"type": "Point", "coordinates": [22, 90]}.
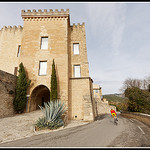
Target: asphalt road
{"type": "Point", "coordinates": [100, 133]}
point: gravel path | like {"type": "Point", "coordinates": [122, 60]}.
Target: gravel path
{"type": "Point", "coordinates": [22, 125]}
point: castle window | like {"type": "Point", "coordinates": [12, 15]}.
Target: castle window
{"type": "Point", "coordinates": [76, 48]}
{"type": "Point", "coordinates": [77, 71]}
{"type": "Point", "coordinates": [96, 91]}
{"type": "Point", "coordinates": [43, 68]}
{"type": "Point", "coordinates": [19, 48]}
{"type": "Point", "coordinates": [15, 71]}
{"type": "Point", "coordinates": [44, 42]}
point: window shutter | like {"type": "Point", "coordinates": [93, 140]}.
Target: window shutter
{"type": "Point", "coordinates": [19, 48]}
{"type": "Point", "coordinates": [75, 49]}
{"type": "Point", "coordinates": [44, 43]}
{"type": "Point", "coordinates": [77, 71]}
{"type": "Point", "coordinates": [43, 68]}
{"type": "Point", "coordinates": [15, 71]}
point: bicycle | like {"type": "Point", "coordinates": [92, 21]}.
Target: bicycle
{"type": "Point", "coordinates": [115, 120]}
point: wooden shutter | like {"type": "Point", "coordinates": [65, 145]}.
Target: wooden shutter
{"type": "Point", "coordinates": [43, 68]}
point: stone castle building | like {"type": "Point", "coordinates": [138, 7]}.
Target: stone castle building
{"type": "Point", "coordinates": [48, 35]}
{"type": "Point", "coordinates": [97, 91]}
{"type": "Point", "coordinates": [102, 105]}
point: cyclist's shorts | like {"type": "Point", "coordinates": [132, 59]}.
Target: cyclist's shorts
{"type": "Point", "coordinates": [113, 114]}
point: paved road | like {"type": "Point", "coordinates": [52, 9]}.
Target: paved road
{"type": "Point", "coordinates": [101, 133]}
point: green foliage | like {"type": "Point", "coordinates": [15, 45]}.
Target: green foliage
{"type": "Point", "coordinates": [114, 98]}
{"type": "Point", "coordinates": [149, 87]}
{"type": "Point", "coordinates": [139, 100]}
{"type": "Point", "coordinates": [52, 115]}
{"type": "Point", "coordinates": [20, 91]}
{"type": "Point", "coordinates": [119, 102]}
{"type": "Point", "coordinates": [53, 94]}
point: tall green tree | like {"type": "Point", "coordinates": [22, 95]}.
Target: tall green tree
{"type": "Point", "coordinates": [149, 87]}
{"type": "Point", "coordinates": [53, 94]}
{"type": "Point", "coordinates": [21, 90]}
{"type": "Point", "coordinates": [139, 100]}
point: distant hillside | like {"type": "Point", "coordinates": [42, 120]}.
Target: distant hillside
{"type": "Point", "coordinates": [114, 98]}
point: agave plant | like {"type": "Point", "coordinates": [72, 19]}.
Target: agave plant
{"type": "Point", "coordinates": [52, 115]}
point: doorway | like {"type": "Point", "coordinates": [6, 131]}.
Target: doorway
{"type": "Point", "coordinates": [39, 95]}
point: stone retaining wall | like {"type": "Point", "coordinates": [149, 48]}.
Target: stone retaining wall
{"type": "Point", "coordinates": [104, 108]}
{"type": "Point", "coordinates": [7, 93]}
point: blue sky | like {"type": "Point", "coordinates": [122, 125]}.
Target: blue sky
{"type": "Point", "coordinates": [117, 34]}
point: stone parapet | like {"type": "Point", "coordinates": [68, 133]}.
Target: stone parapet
{"type": "Point", "coordinates": [11, 28]}
{"type": "Point", "coordinates": [44, 13]}
{"type": "Point", "coordinates": [78, 26]}
{"type": "Point", "coordinates": [82, 78]}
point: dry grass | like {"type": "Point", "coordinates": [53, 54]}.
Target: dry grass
{"type": "Point", "coordinates": [143, 119]}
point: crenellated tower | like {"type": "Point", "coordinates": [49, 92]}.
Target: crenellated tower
{"type": "Point", "coordinates": [53, 27]}
{"type": "Point", "coordinates": [48, 35]}
{"type": "Point", "coordinates": [10, 41]}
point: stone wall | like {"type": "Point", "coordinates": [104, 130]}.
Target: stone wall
{"type": "Point", "coordinates": [104, 108]}
{"type": "Point", "coordinates": [7, 93]}
{"type": "Point", "coordinates": [97, 91]}
{"type": "Point", "coordinates": [83, 106]}
{"type": "Point", "coordinates": [10, 39]}
{"type": "Point", "coordinates": [78, 36]}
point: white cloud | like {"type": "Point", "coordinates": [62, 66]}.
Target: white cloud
{"type": "Point", "coordinates": [119, 26]}
{"type": "Point", "coordinates": [120, 42]}
{"type": "Point", "coordinates": [108, 21]}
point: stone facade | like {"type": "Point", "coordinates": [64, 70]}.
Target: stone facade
{"type": "Point", "coordinates": [97, 91]}
{"type": "Point", "coordinates": [75, 92]}
{"type": "Point", "coordinates": [10, 39]}
{"type": "Point", "coordinates": [102, 106]}
{"type": "Point", "coordinates": [7, 93]}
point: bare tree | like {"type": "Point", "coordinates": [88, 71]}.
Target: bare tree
{"type": "Point", "coordinates": [130, 82]}
{"type": "Point", "coordinates": [146, 82]}
{"type": "Point", "coordinates": [133, 82]}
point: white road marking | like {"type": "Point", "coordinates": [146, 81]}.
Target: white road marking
{"type": "Point", "coordinates": [145, 138]}
{"type": "Point", "coordinates": [141, 129]}
{"type": "Point", "coordinates": [138, 121]}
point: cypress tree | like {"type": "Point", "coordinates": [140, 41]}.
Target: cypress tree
{"type": "Point", "coordinates": [21, 90]}
{"type": "Point", "coordinates": [53, 94]}
{"type": "Point", "coordinates": [149, 87]}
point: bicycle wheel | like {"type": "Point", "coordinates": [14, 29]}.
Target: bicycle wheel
{"type": "Point", "coordinates": [115, 121]}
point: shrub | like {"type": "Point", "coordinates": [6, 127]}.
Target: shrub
{"type": "Point", "coordinates": [52, 115]}
{"type": "Point", "coordinates": [21, 90]}
{"type": "Point", "coordinates": [139, 100]}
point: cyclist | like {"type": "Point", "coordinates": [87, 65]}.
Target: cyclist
{"type": "Point", "coordinates": [113, 113]}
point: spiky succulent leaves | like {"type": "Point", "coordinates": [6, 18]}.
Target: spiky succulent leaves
{"type": "Point", "coordinates": [41, 123]}
{"type": "Point", "coordinates": [59, 110]}
{"type": "Point", "coordinates": [53, 95]}
{"type": "Point", "coordinates": [21, 90]}
{"type": "Point", "coordinates": [52, 113]}
{"type": "Point", "coordinates": [54, 110]}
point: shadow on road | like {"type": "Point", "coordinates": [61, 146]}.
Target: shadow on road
{"type": "Point", "coordinates": [100, 117]}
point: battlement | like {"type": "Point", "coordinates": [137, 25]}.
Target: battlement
{"type": "Point", "coordinates": [44, 13]}
{"type": "Point", "coordinates": [78, 26]}
{"type": "Point", "coordinates": [11, 28]}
